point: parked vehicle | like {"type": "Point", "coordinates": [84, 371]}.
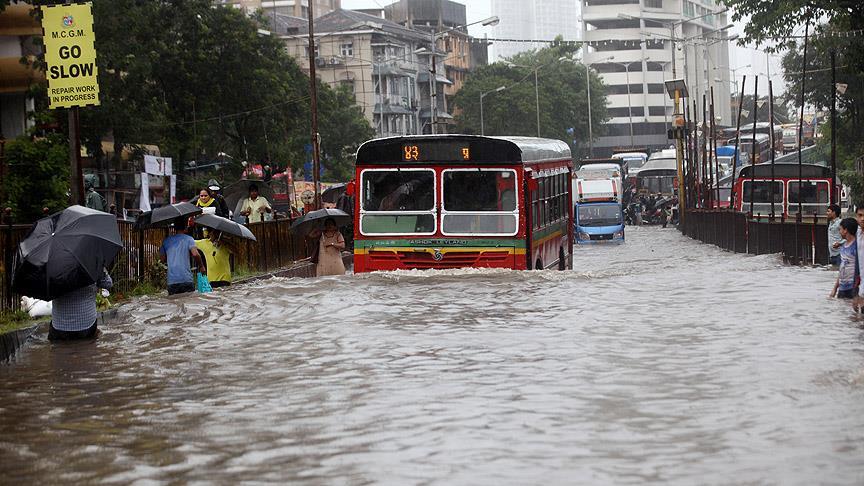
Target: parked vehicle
{"type": "Point", "coordinates": [598, 213]}
{"type": "Point", "coordinates": [782, 184]}
{"type": "Point", "coordinates": [633, 161]}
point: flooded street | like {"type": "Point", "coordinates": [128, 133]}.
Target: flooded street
{"type": "Point", "coordinates": [662, 360]}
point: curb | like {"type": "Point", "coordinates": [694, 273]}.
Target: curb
{"type": "Point", "coordinates": [11, 341]}
{"type": "Point", "coordinates": [305, 269]}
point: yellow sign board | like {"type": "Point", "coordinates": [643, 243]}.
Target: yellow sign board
{"type": "Point", "coordinates": [71, 55]}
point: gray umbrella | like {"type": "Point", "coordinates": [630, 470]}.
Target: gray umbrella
{"type": "Point", "coordinates": [64, 252]}
{"type": "Point", "coordinates": [225, 225]}
{"type": "Point", "coordinates": [167, 214]}
{"type": "Point", "coordinates": [316, 219]}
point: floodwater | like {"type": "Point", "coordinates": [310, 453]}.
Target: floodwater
{"type": "Point", "coordinates": [663, 360]}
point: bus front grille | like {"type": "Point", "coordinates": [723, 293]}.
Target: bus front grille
{"type": "Point", "coordinates": [426, 260]}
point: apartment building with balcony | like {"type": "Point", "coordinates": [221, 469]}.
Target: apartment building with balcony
{"type": "Point", "coordinates": [18, 28]}
{"type": "Point", "coordinates": [386, 66]}
{"type": "Point", "coordinates": [630, 44]}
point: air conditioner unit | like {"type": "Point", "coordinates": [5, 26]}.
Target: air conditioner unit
{"type": "Point", "coordinates": [320, 61]}
{"type": "Point", "coordinates": [335, 60]}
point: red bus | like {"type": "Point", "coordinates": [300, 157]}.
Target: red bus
{"type": "Point", "coordinates": [453, 201]}
{"type": "Point", "coordinates": [755, 182]}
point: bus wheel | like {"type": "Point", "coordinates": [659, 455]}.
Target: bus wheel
{"type": "Point", "coordinates": [562, 262]}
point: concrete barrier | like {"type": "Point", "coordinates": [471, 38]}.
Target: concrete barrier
{"type": "Point", "coordinates": [11, 341]}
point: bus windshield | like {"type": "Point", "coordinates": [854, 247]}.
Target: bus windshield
{"type": "Point", "coordinates": [599, 215]}
{"type": "Point", "coordinates": [401, 201]}
{"type": "Point", "coordinates": [812, 194]}
{"type": "Point", "coordinates": [479, 202]}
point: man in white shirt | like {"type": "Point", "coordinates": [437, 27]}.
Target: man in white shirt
{"type": "Point", "coordinates": [858, 302]}
{"type": "Point", "coordinates": [255, 206]}
{"type": "Point", "coordinates": [834, 239]}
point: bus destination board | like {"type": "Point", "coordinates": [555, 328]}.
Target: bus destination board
{"type": "Point", "coordinates": [436, 152]}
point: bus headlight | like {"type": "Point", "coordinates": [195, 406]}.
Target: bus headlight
{"type": "Point", "coordinates": [618, 234]}
{"type": "Point", "coordinates": [584, 236]}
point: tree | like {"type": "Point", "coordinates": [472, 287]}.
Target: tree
{"type": "Point", "coordinates": [513, 111]}
{"type": "Point", "coordinates": [37, 177]}
{"type": "Point", "coordinates": [198, 79]}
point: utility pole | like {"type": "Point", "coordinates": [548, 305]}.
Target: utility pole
{"type": "Point", "coordinates": [313, 93]}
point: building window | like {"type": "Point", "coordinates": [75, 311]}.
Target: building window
{"type": "Point", "coordinates": [657, 111]}
{"type": "Point", "coordinates": [653, 3]}
{"type": "Point", "coordinates": [656, 88]}
{"type": "Point", "coordinates": [347, 49]}
{"type": "Point", "coordinates": [623, 112]}
{"type": "Point", "coordinates": [317, 51]}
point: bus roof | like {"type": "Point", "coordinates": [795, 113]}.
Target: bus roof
{"type": "Point", "coordinates": [460, 150]}
{"type": "Point", "coordinates": [785, 171]}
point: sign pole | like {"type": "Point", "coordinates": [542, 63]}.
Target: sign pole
{"type": "Point", "coordinates": [70, 55]}
{"type": "Point", "coordinates": [313, 94]}
{"type": "Point", "coordinates": [76, 183]}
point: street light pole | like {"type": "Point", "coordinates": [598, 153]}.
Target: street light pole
{"type": "Point", "coordinates": [629, 102]}
{"type": "Point", "coordinates": [537, 99]}
{"type": "Point", "coordinates": [433, 82]}
{"type": "Point", "coordinates": [483, 95]}
{"type": "Point", "coordinates": [313, 94]}
{"type": "Point", "coordinates": [588, 88]}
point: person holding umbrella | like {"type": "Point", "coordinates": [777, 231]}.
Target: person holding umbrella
{"type": "Point", "coordinates": [330, 246]}
{"type": "Point", "coordinates": [217, 254]}
{"type": "Point", "coordinates": [327, 254]}
{"type": "Point", "coordinates": [175, 252]}
{"type": "Point", "coordinates": [63, 260]}
{"type": "Point", "coordinates": [255, 206]}
{"type": "Point", "coordinates": [73, 315]}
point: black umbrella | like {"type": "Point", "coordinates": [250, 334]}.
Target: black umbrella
{"type": "Point", "coordinates": [166, 215]}
{"type": "Point", "coordinates": [64, 252]}
{"type": "Point", "coordinates": [315, 219]}
{"type": "Point", "coordinates": [332, 194]}
{"type": "Point", "coordinates": [225, 225]}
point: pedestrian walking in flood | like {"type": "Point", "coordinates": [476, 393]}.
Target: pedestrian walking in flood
{"type": "Point", "coordinates": [255, 206]}
{"type": "Point", "coordinates": [846, 286]}
{"type": "Point", "coordinates": [834, 238]}
{"type": "Point", "coordinates": [73, 315]}
{"type": "Point", "coordinates": [330, 246]}
{"type": "Point", "coordinates": [217, 254]}
{"type": "Point", "coordinates": [175, 252]}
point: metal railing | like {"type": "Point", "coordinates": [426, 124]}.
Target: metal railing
{"type": "Point", "coordinates": [139, 263]}
{"type": "Point", "coordinates": [800, 242]}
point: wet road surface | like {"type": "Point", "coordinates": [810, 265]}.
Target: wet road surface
{"type": "Point", "coordinates": [662, 360]}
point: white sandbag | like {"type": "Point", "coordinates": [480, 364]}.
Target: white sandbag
{"type": "Point", "coordinates": [36, 307]}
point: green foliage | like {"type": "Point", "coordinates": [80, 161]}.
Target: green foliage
{"type": "Point", "coordinates": [38, 175]}
{"type": "Point", "coordinates": [13, 320]}
{"type": "Point", "coordinates": [776, 20]}
{"type": "Point", "coordinates": [830, 20]}
{"type": "Point", "coordinates": [196, 79]}
{"type": "Point", "coordinates": [562, 95]}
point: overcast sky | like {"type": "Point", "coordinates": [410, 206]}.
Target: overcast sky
{"type": "Point", "coordinates": [739, 56]}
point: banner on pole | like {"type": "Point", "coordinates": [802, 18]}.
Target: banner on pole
{"type": "Point", "coordinates": [70, 55]}
{"type": "Point", "coordinates": [160, 166]}
{"type": "Point", "coordinates": [144, 204]}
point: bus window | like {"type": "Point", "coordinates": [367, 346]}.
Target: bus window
{"type": "Point", "coordinates": [813, 196]}
{"type": "Point", "coordinates": [397, 202]}
{"type": "Point", "coordinates": [760, 191]}
{"type": "Point", "coordinates": [479, 202]}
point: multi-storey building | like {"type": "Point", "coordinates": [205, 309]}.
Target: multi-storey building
{"type": "Point", "coordinates": [461, 55]}
{"type": "Point", "coordinates": [18, 28]}
{"type": "Point", "coordinates": [296, 8]}
{"type": "Point", "coordinates": [533, 20]}
{"type": "Point", "coordinates": [630, 44]}
{"type": "Point", "coordinates": [385, 64]}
